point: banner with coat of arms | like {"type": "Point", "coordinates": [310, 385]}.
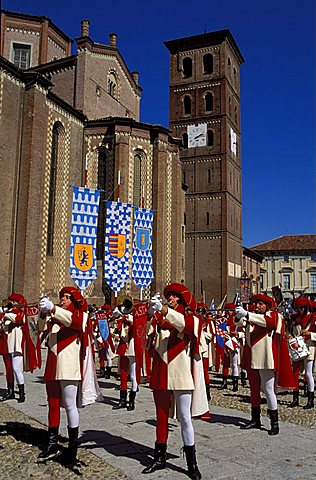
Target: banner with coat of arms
{"type": "Point", "coordinates": [116, 245]}
{"type": "Point", "coordinates": [142, 267]}
{"type": "Point", "coordinates": [85, 208]}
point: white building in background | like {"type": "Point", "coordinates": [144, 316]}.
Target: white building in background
{"type": "Point", "coordinates": [289, 262]}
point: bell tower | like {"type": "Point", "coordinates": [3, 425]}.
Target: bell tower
{"type": "Point", "coordinates": [205, 114]}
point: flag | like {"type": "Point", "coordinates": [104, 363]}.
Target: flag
{"type": "Point", "coordinates": [221, 334]}
{"type": "Point", "coordinates": [237, 300]}
{"type": "Point", "coordinates": [116, 245]}
{"type": "Point", "coordinates": [140, 317]}
{"type": "Point", "coordinates": [85, 208]}
{"type": "Point", "coordinates": [232, 344]}
{"type": "Point", "coordinates": [222, 304]}
{"type": "Point", "coordinates": [142, 265]}
{"type": "Point", "coordinates": [212, 306]}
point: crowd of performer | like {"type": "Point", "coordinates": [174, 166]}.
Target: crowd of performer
{"type": "Point", "coordinates": [181, 344]}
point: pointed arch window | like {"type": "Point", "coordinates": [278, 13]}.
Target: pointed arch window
{"type": "Point", "coordinates": [185, 140]}
{"type": "Point", "coordinates": [208, 64]}
{"type": "Point", "coordinates": [137, 186]}
{"type": "Point", "coordinates": [106, 185]}
{"type": "Point", "coordinates": [112, 85]}
{"type": "Point", "coordinates": [187, 105]}
{"type": "Point", "coordinates": [56, 152]}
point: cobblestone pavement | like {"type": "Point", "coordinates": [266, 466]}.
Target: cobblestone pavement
{"type": "Point", "coordinates": [116, 444]}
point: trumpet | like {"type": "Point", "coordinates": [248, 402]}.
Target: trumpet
{"type": "Point", "coordinates": [126, 303]}
{"type": "Point", "coordinates": [7, 306]}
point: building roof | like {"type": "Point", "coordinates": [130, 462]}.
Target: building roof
{"type": "Point", "coordinates": [288, 243]}
{"type": "Point", "coordinates": [202, 41]}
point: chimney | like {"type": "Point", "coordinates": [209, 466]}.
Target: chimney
{"type": "Point", "coordinates": [113, 37]}
{"type": "Point", "coordinates": [135, 76]}
{"type": "Point", "coordinates": [85, 25]}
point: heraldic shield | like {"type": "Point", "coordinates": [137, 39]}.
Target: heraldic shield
{"type": "Point", "coordinates": [142, 238]}
{"type": "Point", "coordinates": [83, 256]}
{"type": "Point", "coordinates": [117, 245]}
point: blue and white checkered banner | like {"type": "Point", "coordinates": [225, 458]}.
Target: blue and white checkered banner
{"type": "Point", "coordinates": [116, 245]}
{"type": "Point", "coordinates": [142, 266]}
{"type": "Point", "coordinates": [85, 207]}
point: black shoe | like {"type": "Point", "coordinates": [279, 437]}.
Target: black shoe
{"type": "Point", "coordinates": [223, 385]}
{"type": "Point", "coordinates": [190, 454]}
{"type": "Point", "coordinates": [274, 421]}
{"type": "Point", "coordinates": [295, 401]}
{"type": "Point", "coordinates": [159, 462]}
{"type": "Point", "coordinates": [51, 448]}
{"type": "Point", "coordinates": [255, 419]}
{"type": "Point", "coordinates": [10, 393]}
{"type": "Point", "coordinates": [310, 401]}
{"type": "Point", "coordinates": [131, 401]}
{"type": "Point", "coordinates": [21, 398]}
{"type": "Point", "coordinates": [123, 401]}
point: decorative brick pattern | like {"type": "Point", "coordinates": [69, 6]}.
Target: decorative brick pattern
{"type": "Point", "coordinates": [168, 227]}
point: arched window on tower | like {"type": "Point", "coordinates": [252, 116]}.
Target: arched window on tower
{"type": "Point", "coordinates": [112, 85]}
{"type": "Point", "coordinates": [210, 138]}
{"type": "Point", "coordinates": [208, 102]}
{"type": "Point", "coordinates": [57, 134]}
{"type": "Point", "coordinates": [187, 67]}
{"type": "Point", "coordinates": [185, 140]}
{"type": "Point", "coordinates": [187, 105]}
{"type": "Point", "coordinates": [137, 186]}
{"type": "Point", "coordinates": [208, 63]}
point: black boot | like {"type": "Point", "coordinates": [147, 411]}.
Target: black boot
{"type": "Point", "coordinates": [123, 400]}
{"type": "Point", "coordinates": [21, 398]}
{"type": "Point", "coordinates": [305, 390]}
{"type": "Point", "coordinates": [10, 393]}
{"type": "Point", "coordinates": [255, 419]}
{"type": "Point", "coordinates": [274, 422]}
{"type": "Point", "coordinates": [108, 372]}
{"type": "Point", "coordinates": [223, 384]}
{"type": "Point", "coordinates": [131, 401]}
{"type": "Point", "coordinates": [310, 401]}
{"type": "Point", "coordinates": [208, 392]}
{"type": "Point", "coordinates": [243, 379]}
{"type": "Point", "coordinates": [190, 455]}
{"type": "Point", "coordinates": [235, 384]}
{"type": "Point", "coordinates": [295, 401]}
{"type": "Point", "coordinates": [51, 448]}
{"type": "Point", "coordinates": [159, 462]}
{"type": "Point", "coordinates": [101, 372]}
{"type": "Point", "coordinates": [70, 457]}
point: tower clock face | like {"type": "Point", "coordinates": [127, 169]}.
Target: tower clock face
{"type": "Point", "coordinates": [197, 135]}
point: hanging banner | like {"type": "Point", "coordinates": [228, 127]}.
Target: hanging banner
{"type": "Point", "coordinates": [85, 207]}
{"type": "Point", "coordinates": [142, 266]}
{"type": "Point", "coordinates": [245, 292]}
{"type": "Point", "coordinates": [116, 245]}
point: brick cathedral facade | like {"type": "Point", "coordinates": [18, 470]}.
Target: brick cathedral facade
{"type": "Point", "coordinates": [62, 114]}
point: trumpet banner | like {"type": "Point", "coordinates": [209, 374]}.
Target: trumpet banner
{"type": "Point", "coordinates": [142, 265]}
{"type": "Point", "coordinates": [116, 245]}
{"type": "Point", "coordinates": [140, 312]}
{"type": "Point", "coordinates": [85, 208]}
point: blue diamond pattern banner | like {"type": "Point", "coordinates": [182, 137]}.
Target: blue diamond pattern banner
{"type": "Point", "coordinates": [85, 207]}
{"type": "Point", "coordinates": [142, 270]}
{"type": "Point", "coordinates": [116, 245]}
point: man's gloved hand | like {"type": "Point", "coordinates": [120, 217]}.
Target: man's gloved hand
{"type": "Point", "coordinates": [45, 305]}
{"type": "Point", "coordinates": [155, 304]}
{"type": "Point", "coordinates": [240, 312]}
{"type": "Point", "coordinates": [116, 313]}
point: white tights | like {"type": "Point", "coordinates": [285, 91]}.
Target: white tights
{"type": "Point", "coordinates": [69, 391]}
{"type": "Point", "coordinates": [183, 399]}
{"type": "Point", "coordinates": [132, 373]}
{"type": "Point", "coordinates": [234, 363]}
{"type": "Point", "coordinates": [17, 366]}
{"type": "Point", "coordinates": [267, 385]}
{"type": "Point", "coordinates": [309, 375]}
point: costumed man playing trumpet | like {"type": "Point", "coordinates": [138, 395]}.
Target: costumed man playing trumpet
{"type": "Point", "coordinates": [177, 371]}
{"type": "Point", "coordinates": [69, 365]}
{"type": "Point", "coordinates": [265, 357]}
{"type": "Point", "coordinates": [14, 345]}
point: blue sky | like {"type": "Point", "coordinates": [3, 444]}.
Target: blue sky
{"type": "Point", "coordinates": [277, 40]}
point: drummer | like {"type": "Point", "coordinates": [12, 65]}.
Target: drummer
{"type": "Point", "coordinates": [304, 324]}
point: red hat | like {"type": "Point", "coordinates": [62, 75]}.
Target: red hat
{"type": "Point", "coordinates": [260, 297]}
{"type": "Point", "coordinates": [201, 305]}
{"type": "Point", "coordinates": [183, 292]}
{"type": "Point", "coordinates": [107, 307]}
{"type": "Point", "coordinates": [17, 297]}
{"type": "Point", "coordinates": [302, 302]}
{"type": "Point", "coordinates": [76, 297]}
{"type": "Point", "coordinates": [230, 306]}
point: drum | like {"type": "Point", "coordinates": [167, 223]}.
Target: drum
{"type": "Point", "coordinates": [298, 348]}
